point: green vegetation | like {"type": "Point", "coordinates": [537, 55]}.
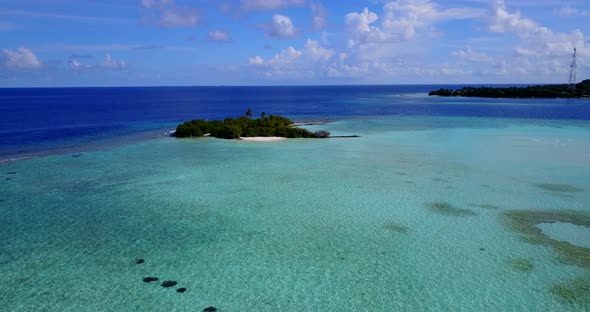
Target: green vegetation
{"type": "Point", "coordinates": [525, 223]}
{"type": "Point", "coordinates": [522, 265]}
{"type": "Point", "coordinates": [448, 209]}
{"type": "Point", "coordinates": [545, 91]}
{"type": "Point", "coordinates": [245, 126]}
{"type": "Point", "coordinates": [576, 291]}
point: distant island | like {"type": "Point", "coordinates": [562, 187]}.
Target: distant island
{"type": "Point", "coordinates": [582, 90]}
{"type": "Point", "coordinates": [246, 126]}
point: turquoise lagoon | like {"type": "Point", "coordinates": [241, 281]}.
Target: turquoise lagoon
{"type": "Point", "coordinates": [408, 217]}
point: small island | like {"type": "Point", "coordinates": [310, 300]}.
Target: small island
{"type": "Point", "coordinates": [582, 90]}
{"type": "Point", "coordinates": [246, 127]}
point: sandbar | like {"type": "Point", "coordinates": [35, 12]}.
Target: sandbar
{"type": "Point", "coordinates": [262, 139]}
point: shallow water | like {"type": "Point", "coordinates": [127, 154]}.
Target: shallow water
{"type": "Point", "coordinates": [296, 225]}
{"type": "Point", "coordinates": [577, 235]}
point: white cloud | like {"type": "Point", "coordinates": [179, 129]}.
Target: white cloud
{"type": "Point", "coordinates": [110, 63]}
{"type": "Point", "coordinates": [314, 51]}
{"type": "Point", "coordinates": [537, 39]}
{"type": "Point", "coordinates": [319, 14]}
{"type": "Point", "coordinates": [219, 35]}
{"type": "Point", "coordinates": [571, 11]}
{"type": "Point", "coordinates": [359, 25]}
{"type": "Point", "coordinates": [402, 19]}
{"type": "Point", "coordinates": [77, 66]}
{"type": "Point", "coordinates": [471, 55]}
{"type": "Point", "coordinates": [504, 21]}
{"type": "Point", "coordinates": [270, 4]}
{"type": "Point", "coordinates": [292, 64]}
{"type": "Point", "coordinates": [257, 60]}
{"type": "Point", "coordinates": [406, 17]}
{"type": "Point", "coordinates": [21, 58]}
{"type": "Point", "coordinates": [167, 13]}
{"type": "Point", "coordinates": [281, 27]}
{"type": "Point", "coordinates": [286, 56]}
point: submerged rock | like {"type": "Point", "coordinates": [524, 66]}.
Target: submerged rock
{"type": "Point", "coordinates": [181, 290]}
{"type": "Point", "coordinates": [167, 284]}
{"type": "Point", "coordinates": [139, 261]}
{"type": "Point", "coordinates": [150, 279]}
{"type": "Point", "coordinates": [210, 309]}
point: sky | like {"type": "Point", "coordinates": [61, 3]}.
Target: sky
{"type": "Point", "coordinates": [61, 43]}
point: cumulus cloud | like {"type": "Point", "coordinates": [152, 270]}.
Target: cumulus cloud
{"type": "Point", "coordinates": [270, 4]}
{"type": "Point", "coordinates": [76, 64]}
{"type": "Point", "coordinates": [319, 14]}
{"type": "Point", "coordinates": [257, 60]}
{"type": "Point", "coordinates": [21, 58]}
{"type": "Point", "coordinates": [110, 63]}
{"type": "Point", "coordinates": [535, 38]}
{"type": "Point", "coordinates": [286, 56]}
{"type": "Point", "coordinates": [219, 35]}
{"type": "Point", "coordinates": [167, 13]}
{"type": "Point", "coordinates": [292, 64]}
{"type": "Point", "coordinates": [471, 55]}
{"type": "Point", "coordinates": [571, 11]}
{"type": "Point", "coordinates": [281, 27]}
{"type": "Point", "coordinates": [402, 19]}
{"type": "Point", "coordinates": [316, 52]}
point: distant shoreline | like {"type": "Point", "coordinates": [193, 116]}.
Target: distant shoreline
{"type": "Point", "coordinates": [581, 91]}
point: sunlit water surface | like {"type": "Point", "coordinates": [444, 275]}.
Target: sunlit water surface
{"type": "Point", "coordinates": [296, 225]}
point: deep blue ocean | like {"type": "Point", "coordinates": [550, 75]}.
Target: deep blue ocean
{"type": "Point", "coordinates": [42, 120]}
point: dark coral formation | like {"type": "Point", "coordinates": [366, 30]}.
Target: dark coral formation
{"type": "Point", "coordinates": [394, 227]}
{"type": "Point", "coordinates": [525, 223]}
{"type": "Point", "coordinates": [447, 209]}
{"type": "Point", "coordinates": [150, 279]}
{"type": "Point", "coordinates": [167, 284]}
{"type": "Point", "coordinates": [559, 188]}
{"type": "Point", "coordinates": [522, 265]}
{"type": "Point", "coordinates": [485, 206]}
{"type": "Point", "coordinates": [576, 291]}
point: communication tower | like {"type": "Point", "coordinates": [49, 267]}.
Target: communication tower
{"type": "Point", "coordinates": [572, 81]}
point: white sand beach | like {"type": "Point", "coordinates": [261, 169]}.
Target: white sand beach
{"type": "Point", "coordinates": [262, 139]}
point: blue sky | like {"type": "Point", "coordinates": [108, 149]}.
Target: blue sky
{"type": "Point", "coordinates": [290, 42]}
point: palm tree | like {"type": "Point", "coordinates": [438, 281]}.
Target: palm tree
{"type": "Point", "coordinates": [249, 112]}
{"type": "Point", "coordinates": [263, 114]}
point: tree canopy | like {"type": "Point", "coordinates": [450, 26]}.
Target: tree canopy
{"type": "Point", "coordinates": [544, 91]}
{"type": "Point", "coordinates": [244, 126]}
